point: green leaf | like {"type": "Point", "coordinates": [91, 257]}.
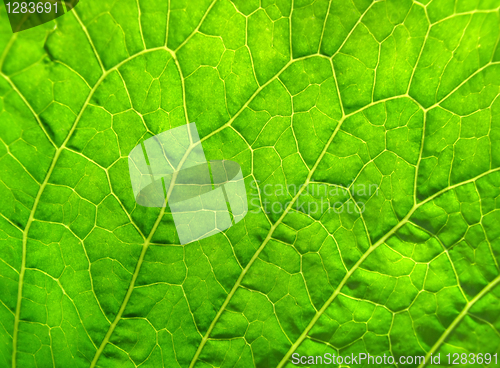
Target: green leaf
{"type": "Point", "coordinates": [386, 111]}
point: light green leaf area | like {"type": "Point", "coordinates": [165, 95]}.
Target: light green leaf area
{"type": "Point", "coordinates": [313, 96]}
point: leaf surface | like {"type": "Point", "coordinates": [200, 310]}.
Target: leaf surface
{"type": "Point", "coordinates": [387, 111]}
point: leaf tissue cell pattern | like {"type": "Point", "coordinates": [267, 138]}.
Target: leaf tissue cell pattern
{"type": "Point", "coordinates": [302, 95]}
